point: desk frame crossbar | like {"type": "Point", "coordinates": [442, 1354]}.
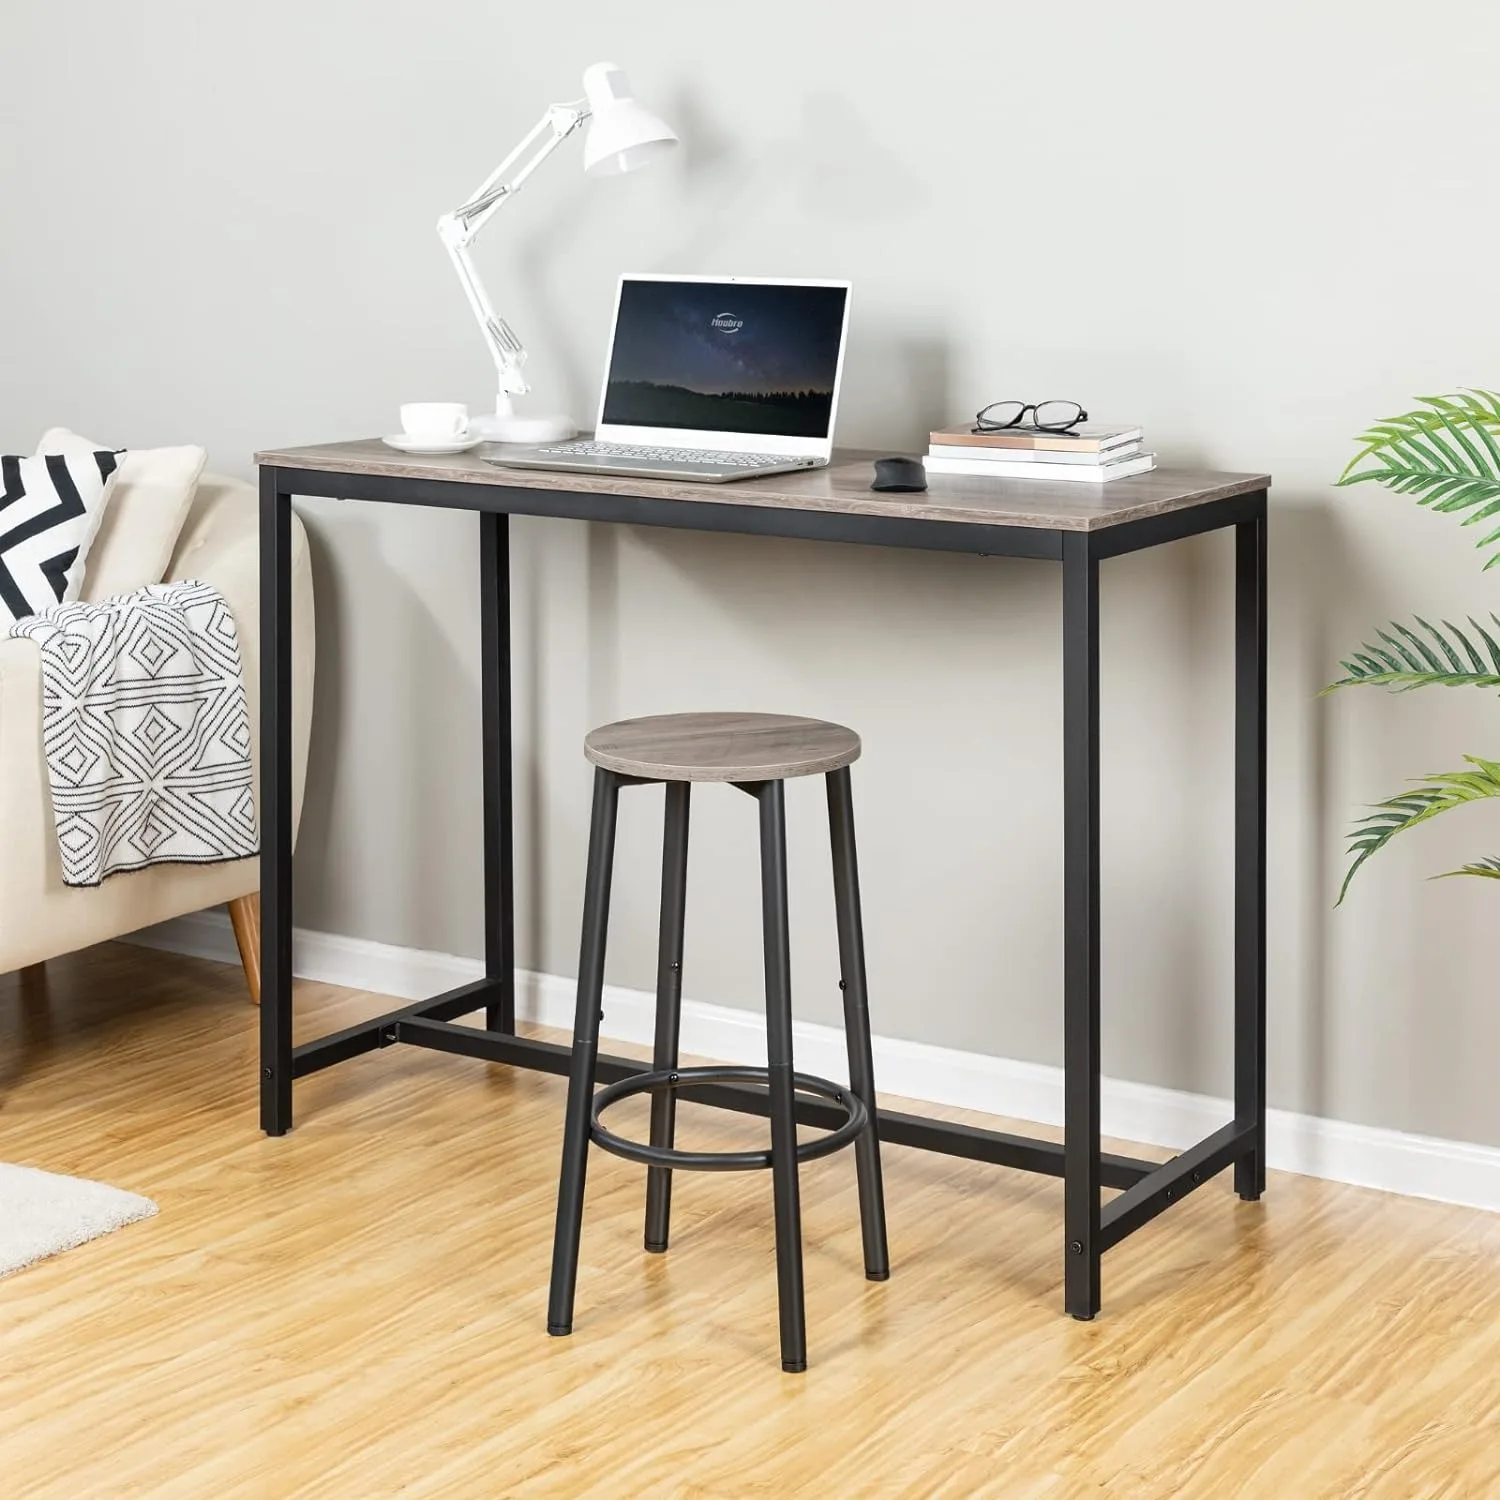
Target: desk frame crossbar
{"type": "Point", "coordinates": [1092, 1225]}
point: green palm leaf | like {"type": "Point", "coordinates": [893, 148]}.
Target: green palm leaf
{"type": "Point", "coordinates": [1445, 656]}
{"type": "Point", "coordinates": [1489, 869]}
{"type": "Point", "coordinates": [1446, 453]}
{"type": "Point", "coordinates": [1439, 794]}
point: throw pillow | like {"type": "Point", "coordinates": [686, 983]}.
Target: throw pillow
{"type": "Point", "coordinates": [139, 531]}
{"type": "Point", "coordinates": [50, 508]}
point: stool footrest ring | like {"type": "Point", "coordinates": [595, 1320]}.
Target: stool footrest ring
{"type": "Point", "coordinates": [722, 1161]}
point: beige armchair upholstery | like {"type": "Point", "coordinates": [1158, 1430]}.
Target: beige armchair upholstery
{"type": "Point", "coordinates": [40, 917]}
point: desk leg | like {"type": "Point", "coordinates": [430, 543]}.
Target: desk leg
{"type": "Point", "coordinates": [275, 805]}
{"type": "Point", "coordinates": [1250, 847]}
{"type": "Point", "coordinates": [1081, 922]}
{"type": "Point", "coordinates": [499, 835]}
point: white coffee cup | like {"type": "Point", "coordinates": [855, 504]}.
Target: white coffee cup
{"type": "Point", "coordinates": [435, 421]}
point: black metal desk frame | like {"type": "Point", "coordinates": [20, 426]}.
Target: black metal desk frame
{"type": "Point", "coordinates": [1091, 1227]}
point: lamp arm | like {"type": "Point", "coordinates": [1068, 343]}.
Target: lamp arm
{"type": "Point", "coordinates": [459, 228]}
{"type": "Point", "coordinates": [507, 351]}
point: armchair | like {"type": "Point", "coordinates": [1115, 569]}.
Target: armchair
{"type": "Point", "coordinates": [40, 917]}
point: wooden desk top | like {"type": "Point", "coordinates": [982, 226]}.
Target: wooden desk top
{"type": "Point", "coordinates": [843, 487]}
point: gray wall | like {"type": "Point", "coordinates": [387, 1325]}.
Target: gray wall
{"type": "Point", "coordinates": [1246, 229]}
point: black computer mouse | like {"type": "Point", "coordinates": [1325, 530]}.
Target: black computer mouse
{"type": "Point", "coordinates": [899, 474]}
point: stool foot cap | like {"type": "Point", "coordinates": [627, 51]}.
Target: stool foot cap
{"type": "Point", "coordinates": [794, 1366]}
{"type": "Point", "coordinates": [877, 1275]}
{"type": "Point", "coordinates": [660, 1249]}
{"type": "Point", "coordinates": [560, 1330]}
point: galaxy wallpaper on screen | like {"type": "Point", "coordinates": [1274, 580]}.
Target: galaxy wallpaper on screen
{"type": "Point", "coordinates": [725, 357]}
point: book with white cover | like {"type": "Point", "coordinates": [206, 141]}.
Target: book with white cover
{"type": "Point", "coordinates": [1007, 457]}
{"type": "Point", "coordinates": [1142, 463]}
{"type": "Point", "coordinates": [1094, 436]}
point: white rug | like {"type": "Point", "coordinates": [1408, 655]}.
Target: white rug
{"type": "Point", "coordinates": [42, 1214]}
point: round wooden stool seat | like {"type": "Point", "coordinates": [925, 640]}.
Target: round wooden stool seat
{"type": "Point", "coordinates": [722, 747]}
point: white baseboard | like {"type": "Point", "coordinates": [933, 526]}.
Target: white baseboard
{"type": "Point", "coordinates": [1364, 1155]}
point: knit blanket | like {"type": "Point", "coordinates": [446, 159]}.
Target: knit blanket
{"type": "Point", "coordinates": [146, 731]}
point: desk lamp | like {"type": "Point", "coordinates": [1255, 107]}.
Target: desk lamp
{"type": "Point", "coordinates": [621, 137]}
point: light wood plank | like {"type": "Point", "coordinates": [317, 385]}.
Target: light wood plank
{"type": "Point", "coordinates": [721, 747]}
{"type": "Point", "coordinates": [358, 1309]}
{"type": "Point", "coordinates": [842, 487]}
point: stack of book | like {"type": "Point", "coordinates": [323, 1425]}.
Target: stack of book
{"type": "Point", "coordinates": [1090, 454]}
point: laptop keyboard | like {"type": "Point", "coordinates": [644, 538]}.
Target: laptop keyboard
{"type": "Point", "coordinates": [588, 449]}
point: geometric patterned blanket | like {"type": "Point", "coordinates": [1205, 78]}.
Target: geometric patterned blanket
{"type": "Point", "coordinates": [146, 731]}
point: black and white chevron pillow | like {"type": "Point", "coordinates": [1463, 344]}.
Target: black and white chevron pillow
{"type": "Point", "coordinates": [50, 508]}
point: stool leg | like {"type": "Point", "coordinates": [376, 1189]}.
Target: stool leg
{"type": "Point", "coordinates": [585, 1054]}
{"type": "Point", "coordinates": [857, 1019]}
{"type": "Point", "coordinates": [668, 1006]}
{"type": "Point", "coordinates": [783, 1088]}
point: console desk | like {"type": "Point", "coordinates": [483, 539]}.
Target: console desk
{"type": "Point", "coordinates": [1075, 525]}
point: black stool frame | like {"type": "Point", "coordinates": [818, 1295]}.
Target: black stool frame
{"type": "Point", "coordinates": [1090, 1226]}
{"type": "Point", "coordinates": [667, 1080]}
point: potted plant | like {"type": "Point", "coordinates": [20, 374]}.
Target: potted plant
{"type": "Point", "coordinates": [1446, 453]}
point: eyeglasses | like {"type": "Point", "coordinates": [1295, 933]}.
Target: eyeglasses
{"type": "Point", "coordinates": [1047, 416]}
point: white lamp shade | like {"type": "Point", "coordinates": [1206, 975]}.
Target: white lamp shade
{"type": "Point", "coordinates": [622, 135]}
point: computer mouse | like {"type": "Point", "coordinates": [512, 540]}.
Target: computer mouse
{"type": "Point", "coordinates": [901, 475]}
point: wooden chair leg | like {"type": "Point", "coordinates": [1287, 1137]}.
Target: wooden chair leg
{"type": "Point", "coordinates": [244, 917]}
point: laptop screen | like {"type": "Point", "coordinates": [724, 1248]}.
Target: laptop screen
{"type": "Point", "coordinates": [726, 356]}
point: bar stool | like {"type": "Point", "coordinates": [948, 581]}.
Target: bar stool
{"type": "Point", "coordinates": [756, 753]}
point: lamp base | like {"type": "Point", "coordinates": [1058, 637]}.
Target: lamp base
{"type": "Point", "coordinates": [514, 428]}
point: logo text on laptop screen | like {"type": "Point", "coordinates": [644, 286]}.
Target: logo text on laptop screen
{"type": "Point", "coordinates": [725, 357]}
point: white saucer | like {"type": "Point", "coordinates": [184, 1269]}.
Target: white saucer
{"type": "Point", "coordinates": [407, 444]}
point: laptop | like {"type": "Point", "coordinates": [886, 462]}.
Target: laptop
{"type": "Point", "coordinates": [712, 379]}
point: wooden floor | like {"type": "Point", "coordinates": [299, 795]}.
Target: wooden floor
{"type": "Point", "coordinates": [358, 1310]}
